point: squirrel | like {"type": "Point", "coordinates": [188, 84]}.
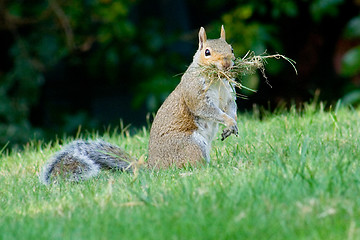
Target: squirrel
{"type": "Point", "coordinates": [183, 128]}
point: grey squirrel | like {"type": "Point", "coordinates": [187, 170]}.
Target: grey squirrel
{"type": "Point", "coordinates": [183, 128]}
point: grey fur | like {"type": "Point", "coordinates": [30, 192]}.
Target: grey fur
{"type": "Point", "coordinates": [81, 160]}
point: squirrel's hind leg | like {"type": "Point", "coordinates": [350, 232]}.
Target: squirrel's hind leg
{"type": "Point", "coordinates": [180, 150]}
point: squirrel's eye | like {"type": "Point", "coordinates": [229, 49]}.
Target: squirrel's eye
{"type": "Point", "coordinates": [207, 52]}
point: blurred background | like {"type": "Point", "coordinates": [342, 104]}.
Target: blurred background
{"type": "Point", "coordinates": [92, 62]}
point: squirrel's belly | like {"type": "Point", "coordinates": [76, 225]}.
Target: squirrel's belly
{"type": "Point", "coordinates": [204, 135]}
{"type": "Point", "coordinates": [206, 128]}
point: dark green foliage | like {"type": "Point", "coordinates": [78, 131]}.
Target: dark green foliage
{"type": "Point", "coordinates": [81, 44]}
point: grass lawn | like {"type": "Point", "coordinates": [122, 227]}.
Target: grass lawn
{"type": "Point", "coordinates": [287, 176]}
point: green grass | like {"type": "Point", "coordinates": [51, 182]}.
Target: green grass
{"type": "Point", "coordinates": [287, 176]}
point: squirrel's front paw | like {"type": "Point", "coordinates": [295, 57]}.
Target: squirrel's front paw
{"type": "Point", "coordinates": [228, 131]}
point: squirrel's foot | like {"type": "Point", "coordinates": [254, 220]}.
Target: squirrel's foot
{"type": "Point", "coordinates": [228, 131]}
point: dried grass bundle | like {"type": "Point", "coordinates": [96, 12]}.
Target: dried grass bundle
{"type": "Point", "coordinates": [243, 66]}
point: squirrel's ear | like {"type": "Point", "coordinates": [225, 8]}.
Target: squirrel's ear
{"type": "Point", "coordinates": [222, 34]}
{"type": "Point", "coordinates": [202, 38]}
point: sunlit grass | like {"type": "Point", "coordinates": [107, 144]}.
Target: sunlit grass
{"type": "Point", "coordinates": [287, 176]}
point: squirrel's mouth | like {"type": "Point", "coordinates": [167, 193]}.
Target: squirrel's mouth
{"type": "Point", "coordinates": [224, 64]}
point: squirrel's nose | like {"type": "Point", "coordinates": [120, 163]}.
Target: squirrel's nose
{"type": "Point", "coordinates": [226, 63]}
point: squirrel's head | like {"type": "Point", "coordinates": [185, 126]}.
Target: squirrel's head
{"type": "Point", "coordinates": [215, 51]}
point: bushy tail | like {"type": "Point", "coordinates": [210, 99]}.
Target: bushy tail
{"type": "Point", "coordinates": [81, 160]}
